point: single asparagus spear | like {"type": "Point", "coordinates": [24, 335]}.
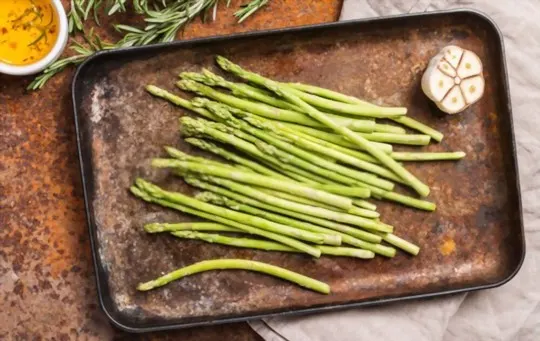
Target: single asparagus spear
{"type": "Point", "coordinates": [234, 241]}
{"type": "Point", "coordinates": [213, 148]}
{"type": "Point", "coordinates": [179, 101]}
{"type": "Point", "coordinates": [241, 264]}
{"type": "Point", "coordinates": [306, 209]}
{"type": "Point", "coordinates": [386, 160]}
{"type": "Point", "coordinates": [364, 204]}
{"type": "Point", "coordinates": [401, 243]}
{"type": "Point", "coordinates": [217, 199]}
{"type": "Point", "coordinates": [400, 198]}
{"type": "Point", "coordinates": [405, 120]}
{"type": "Point", "coordinates": [140, 193]}
{"type": "Point", "coordinates": [179, 155]}
{"type": "Point", "coordinates": [270, 246]}
{"type": "Point", "coordinates": [406, 156]}
{"type": "Point", "coordinates": [257, 179]}
{"type": "Point", "coordinates": [388, 128]}
{"type": "Point", "coordinates": [194, 226]}
{"type": "Point", "coordinates": [268, 111]}
{"type": "Point", "coordinates": [414, 124]}
{"type": "Point", "coordinates": [369, 240]}
{"type": "Point", "coordinates": [354, 210]}
{"type": "Point", "coordinates": [355, 192]}
{"type": "Point", "coordinates": [223, 112]}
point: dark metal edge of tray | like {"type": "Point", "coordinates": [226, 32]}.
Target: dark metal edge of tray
{"type": "Point", "coordinates": [83, 157]}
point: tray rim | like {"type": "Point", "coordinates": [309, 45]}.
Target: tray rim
{"type": "Point", "coordinates": [99, 276]}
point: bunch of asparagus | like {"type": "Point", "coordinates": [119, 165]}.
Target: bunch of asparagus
{"type": "Point", "coordinates": [300, 163]}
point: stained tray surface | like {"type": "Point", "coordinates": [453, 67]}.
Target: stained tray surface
{"type": "Point", "coordinates": [121, 128]}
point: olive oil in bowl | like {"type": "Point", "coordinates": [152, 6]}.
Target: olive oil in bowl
{"type": "Point", "coordinates": [28, 30]}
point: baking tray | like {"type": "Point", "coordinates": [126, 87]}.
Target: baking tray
{"type": "Point", "coordinates": [120, 128]}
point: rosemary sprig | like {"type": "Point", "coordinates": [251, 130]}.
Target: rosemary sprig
{"type": "Point", "coordinates": [248, 9]}
{"type": "Point", "coordinates": [92, 44]}
{"type": "Point", "coordinates": [163, 18]}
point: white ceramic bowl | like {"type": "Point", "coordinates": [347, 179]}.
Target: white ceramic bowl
{"type": "Point", "coordinates": [53, 55]}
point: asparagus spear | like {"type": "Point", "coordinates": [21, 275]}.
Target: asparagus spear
{"type": "Point", "coordinates": [257, 179]}
{"type": "Point", "coordinates": [406, 156]}
{"type": "Point", "coordinates": [420, 188]}
{"type": "Point", "coordinates": [405, 120]}
{"type": "Point", "coordinates": [301, 208]}
{"type": "Point", "coordinates": [387, 128]}
{"type": "Point", "coordinates": [268, 111]}
{"type": "Point", "coordinates": [217, 199]}
{"type": "Point", "coordinates": [223, 112]}
{"type": "Point", "coordinates": [179, 155]}
{"type": "Point", "coordinates": [195, 226]}
{"type": "Point", "coordinates": [401, 243]}
{"type": "Point", "coordinates": [414, 124]}
{"type": "Point", "coordinates": [355, 192]}
{"type": "Point", "coordinates": [270, 246]}
{"type": "Point", "coordinates": [179, 101]}
{"type": "Point", "coordinates": [234, 241]}
{"type": "Point", "coordinates": [400, 198]}
{"type": "Point", "coordinates": [241, 264]}
{"type": "Point", "coordinates": [140, 193]}
{"type": "Point", "coordinates": [353, 210]}
{"type": "Point", "coordinates": [213, 148]}
{"type": "Point", "coordinates": [364, 204]}
{"type": "Point", "coordinates": [346, 232]}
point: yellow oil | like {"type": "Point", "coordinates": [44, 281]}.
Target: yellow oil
{"type": "Point", "coordinates": [28, 30]}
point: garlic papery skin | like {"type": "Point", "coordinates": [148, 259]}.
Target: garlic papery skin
{"type": "Point", "coordinates": [453, 79]}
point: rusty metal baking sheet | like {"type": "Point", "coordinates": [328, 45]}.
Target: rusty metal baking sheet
{"type": "Point", "coordinates": [473, 240]}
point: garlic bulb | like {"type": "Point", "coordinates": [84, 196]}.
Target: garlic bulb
{"type": "Point", "coordinates": [454, 79]}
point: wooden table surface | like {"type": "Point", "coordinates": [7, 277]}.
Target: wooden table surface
{"type": "Point", "coordinates": [47, 289]}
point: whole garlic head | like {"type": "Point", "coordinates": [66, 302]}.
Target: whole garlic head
{"type": "Point", "coordinates": [454, 79]}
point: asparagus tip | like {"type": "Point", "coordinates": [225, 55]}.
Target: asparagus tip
{"type": "Point", "coordinates": [153, 227]}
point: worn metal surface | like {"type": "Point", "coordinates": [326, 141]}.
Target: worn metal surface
{"type": "Point", "coordinates": [473, 239]}
{"type": "Point", "coordinates": [47, 285]}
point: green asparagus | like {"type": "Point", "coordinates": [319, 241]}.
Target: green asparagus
{"type": "Point", "coordinates": [194, 226]}
{"type": "Point", "coordinates": [408, 156]}
{"type": "Point", "coordinates": [405, 120]}
{"type": "Point", "coordinates": [349, 235]}
{"type": "Point", "coordinates": [268, 111]}
{"type": "Point", "coordinates": [282, 91]}
{"type": "Point", "coordinates": [241, 264]}
{"type": "Point", "coordinates": [222, 112]}
{"type": "Point", "coordinates": [140, 193]}
{"type": "Point", "coordinates": [270, 246]}
{"type": "Point", "coordinates": [301, 208]}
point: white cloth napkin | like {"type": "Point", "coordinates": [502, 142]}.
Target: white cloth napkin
{"type": "Point", "coordinates": [510, 312]}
